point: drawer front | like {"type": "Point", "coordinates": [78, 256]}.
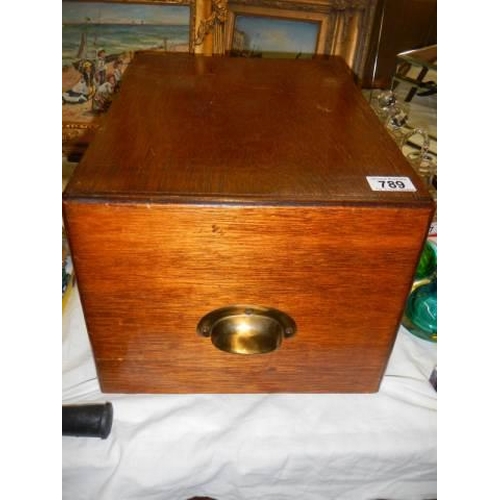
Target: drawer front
{"type": "Point", "coordinates": [148, 273]}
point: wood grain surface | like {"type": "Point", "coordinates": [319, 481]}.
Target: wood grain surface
{"type": "Point", "coordinates": [214, 128]}
{"type": "Point", "coordinates": [147, 274]}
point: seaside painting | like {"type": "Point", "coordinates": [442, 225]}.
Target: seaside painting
{"type": "Point", "coordinates": [98, 42]}
{"type": "Point", "coordinates": [258, 36]}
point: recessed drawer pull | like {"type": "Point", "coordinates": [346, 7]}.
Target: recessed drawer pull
{"type": "Point", "coordinates": [246, 329]}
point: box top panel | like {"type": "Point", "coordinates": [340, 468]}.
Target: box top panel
{"type": "Point", "coordinates": [186, 128]}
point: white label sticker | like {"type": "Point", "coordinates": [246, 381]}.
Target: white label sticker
{"type": "Point", "coordinates": [391, 184]}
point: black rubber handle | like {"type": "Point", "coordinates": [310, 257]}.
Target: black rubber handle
{"type": "Point", "coordinates": [87, 420]}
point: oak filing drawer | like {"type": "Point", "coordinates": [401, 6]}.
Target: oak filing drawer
{"type": "Point", "coordinates": [226, 237]}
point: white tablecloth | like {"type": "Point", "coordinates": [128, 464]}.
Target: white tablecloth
{"type": "Point", "coordinates": [235, 447]}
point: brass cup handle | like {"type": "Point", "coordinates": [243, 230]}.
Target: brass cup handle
{"type": "Point", "coordinates": [246, 329]}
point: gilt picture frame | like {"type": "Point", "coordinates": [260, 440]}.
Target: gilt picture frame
{"type": "Point", "coordinates": [258, 28]}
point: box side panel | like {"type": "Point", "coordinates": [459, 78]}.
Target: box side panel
{"type": "Point", "coordinates": [148, 273]}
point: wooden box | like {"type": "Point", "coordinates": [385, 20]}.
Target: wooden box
{"type": "Point", "coordinates": [262, 193]}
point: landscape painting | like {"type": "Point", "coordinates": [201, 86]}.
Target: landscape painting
{"type": "Point", "coordinates": [98, 42]}
{"type": "Point", "coordinates": [256, 36]}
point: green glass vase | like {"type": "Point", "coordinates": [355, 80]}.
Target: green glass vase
{"type": "Point", "coordinates": [420, 316]}
{"type": "Point", "coordinates": [427, 264]}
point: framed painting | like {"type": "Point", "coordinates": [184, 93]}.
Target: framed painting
{"type": "Point", "coordinates": [301, 29]}
{"type": "Point", "coordinates": [256, 36]}
{"type": "Point", "coordinates": [99, 39]}
{"type": "Point", "coordinates": [257, 31]}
